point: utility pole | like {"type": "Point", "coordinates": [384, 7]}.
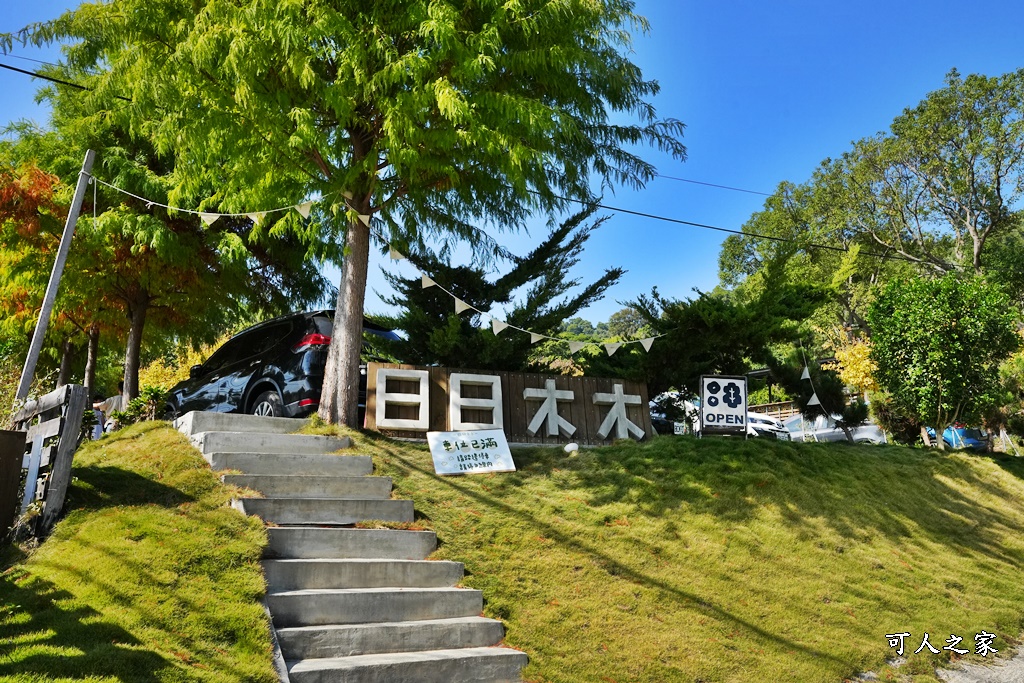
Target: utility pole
{"type": "Point", "coordinates": [58, 269]}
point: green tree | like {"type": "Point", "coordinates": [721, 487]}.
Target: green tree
{"type": "Point", "coordinates": [721, 334]}
{"type": "Point", "coordinates": [436, 335]}
{"type": "Point", "coordinates": [626, 324]}
{"type": "Point", "coordinates": [432, 116]}
{"type": "Point", "coordinates": [940, 192]}
{"type": "Point", "coordinates": [938, 345]}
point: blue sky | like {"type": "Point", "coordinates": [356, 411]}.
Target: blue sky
{"type": "Point", "coordinates": [767, 91]}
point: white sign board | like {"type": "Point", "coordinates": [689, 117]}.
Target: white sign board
{"type": "Point", "coordinates": [474, 452]}
{"type": "Point", "coordinates": [723, 404]}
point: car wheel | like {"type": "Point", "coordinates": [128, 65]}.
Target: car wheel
{"type": "Point", "coordinates": [268, 404]}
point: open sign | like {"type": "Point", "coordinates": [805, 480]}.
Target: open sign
{"type": "Point", "coordinates": [723, 404]}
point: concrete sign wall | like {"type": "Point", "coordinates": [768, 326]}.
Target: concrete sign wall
{"type": "Point", "coordinates": [409, 401]}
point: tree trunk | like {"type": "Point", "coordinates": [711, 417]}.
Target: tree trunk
{"type": "Point", "coordinates": [90, 359]}
{"type": "Point", "coordinates": [137, 314]}
{"type": "Point", "coordinates": [67, 356]}
{"type": "Point", "coordinates": [339, 401]}
{"type": "Point", "coordinates": [924, 436]}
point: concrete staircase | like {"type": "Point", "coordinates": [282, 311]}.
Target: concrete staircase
{"type": "Point", "coordinates": [349, 605]}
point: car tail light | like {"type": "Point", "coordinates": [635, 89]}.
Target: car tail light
{"type": "Point", "coordinates": [311, 340]}
{"type": "Point", "coordinates": [309, 402]}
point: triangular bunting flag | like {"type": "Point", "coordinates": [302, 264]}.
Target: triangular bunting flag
{"type": "Point", "coordinates": [461, 305]}
{"type": "Point", "coordinates": [534, 337]}
{"type": "Point", "coordinates": [576, 346]}
{"type": "Point", "coordinates": [814, 400]}
{"type": "Point", "coordinates": [346, 194]}
{"type": "Point", "coordinates": [209, 218]}
{"type": "Point", "coordinates": [498, 325]}
{"type": "Point", "coordinates": [806, 373]}
{"type": "Point", "coordinates": [256, 217]}
{"type": "Point", "coordinates": [646, 343]}
{"type": "Point", "coordinates": [427, 282]}
{"type": "Point", "coordinates": [612, 347]}
{"type": "Point", "coordinates": [304, 208]}
{"type": "Point", "coordinates": [365, 220]}
{"type": "Point", "coordinates": [396, 255]}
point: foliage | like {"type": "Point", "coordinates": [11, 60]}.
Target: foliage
{"type": "Point", "coordinates": [901, 427]}
{"type": "Point", "coordinates": [436, 335]}
{"type": "Point", "coordinates": [716, 334]}
{"type": "Point", "coordinates": [145, 406]}
{"type": "Point", "coordinates": [150, 577]}
{"type": "Point", "coordinates": [855, 367]}
{"type": "Point", "coordinates": [432, 116]}
{"type": "Point", "coordinates": [938, 345]}
{"type": "Point", "coordinates": [940, 192]}
{"type": "Point", "coordinates": [165, 372]}
{"type": "Point", "coordinates": [647, 562]}
{"type": "Point", "coordinates": [578, 328]}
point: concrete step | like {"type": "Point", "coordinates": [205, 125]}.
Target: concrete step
{"type": "Point", "coordinates": [293, 511]}
{"type": "Point", "coordinates": [312, 486]}
{"type": "Point", "coordinates": [312, 542]}
{"type": "Point", "coordinates": [477, 664]}
{"type": "Point", "coordinates": [346, 640]}
{"type": "Point", "coordinates": [322, 573]}
{"type": "Point", "coordinates": [249, 442]}
{"type": "Point", "coordinates": [318, 607]}
{"type": "Point", "coordinates": [301, 464]}
{"type": "Point", "coordinates": [199, 421]}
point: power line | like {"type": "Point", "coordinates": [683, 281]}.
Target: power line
{"type": "Point", "coordinates": [30, 59]}
{"type": "Point", "coordinates": [721, 187]}
{"type": "Point", "coordinates": [53, 80]}
{"type": "Point", "coordinates": [705, 226]}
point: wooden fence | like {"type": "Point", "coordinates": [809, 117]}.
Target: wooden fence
{"type": "Point", "coordinates": [53, 424]}
{"type": "Point", "coordinates": [12, 450]}
{"type": "Point", "coordinates": [517, 411]}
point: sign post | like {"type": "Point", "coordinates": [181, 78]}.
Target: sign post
{"type": "Point", "coordinates": [723, 404]}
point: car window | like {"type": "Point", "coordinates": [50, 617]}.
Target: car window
{"type": "Point", "coordinates": [225, 355]}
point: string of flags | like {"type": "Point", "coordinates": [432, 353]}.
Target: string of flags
{"type": "Point", "coordinates": [806, 374]}
{"type": "Point", "coordinates": [305, 208]}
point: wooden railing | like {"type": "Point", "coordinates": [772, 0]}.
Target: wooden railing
{"type": "Point", "coordinates": [52, 424]}
{"type": "Point", "coordinates": [780, 410]}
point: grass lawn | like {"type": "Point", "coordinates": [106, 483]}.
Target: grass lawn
{"type": "Point", "coordinates": [677, 560]}
{"type": "Point", "coordinates": [148, 578]}
{"type": "Point", "coordinates": [725, 560]}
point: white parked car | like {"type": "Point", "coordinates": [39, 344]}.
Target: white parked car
{"type": "Point", "coordinates": [824, 428]}
{"type": "Point", "coordinates": [758, 424]}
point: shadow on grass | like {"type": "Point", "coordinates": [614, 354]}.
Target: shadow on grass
{"type": "Point", "coordinates": [857, 490]}
{"type": "Point", "coordinates": [609, 563]}
{"type": "Point", "coordinates": [55, 638]}
{"type": "Point", "coordinates": [97, 486]}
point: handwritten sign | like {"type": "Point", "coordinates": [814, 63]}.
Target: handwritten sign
{"type": "Point", "coordinates": [472, 452]}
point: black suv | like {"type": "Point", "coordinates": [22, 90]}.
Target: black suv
{"type": "Point", "coordinates": [275, 368]}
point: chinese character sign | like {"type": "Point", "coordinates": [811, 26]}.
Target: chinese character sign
{"type": "Point", "coordinates": [723, 404]}
{"type": "Point", "coordinates": [470, 452]}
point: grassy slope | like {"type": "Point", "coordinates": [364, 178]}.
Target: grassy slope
{"type": "Point", "coordinates": [725, 560]}
{"type": "Point", "coordinates": [149, 578]}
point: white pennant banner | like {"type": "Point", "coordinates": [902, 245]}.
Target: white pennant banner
{"type": "Point", "coordinates": [576, 346]}
{"type": "Point", "coordinates": [814, 400]}
{"type": "Point", "coordinates": [461, 305]}
{"type": "Point", "coordinates": [806, 373]}
{"type": "Point", "coordinates": [427, 282]}
{"type": "Point", "coordinates": [304, 208]}
{"type": "Point", "coordinates": [534, 337]}
{"type": "Point", "coordinates": [612, 347]}
{"type": "Point", "coordinates": [209, 218]}
{"type": "Point", "coordinates": [365, 220]}
{"type": "Point", "coordinates": [346, 194]}
{"type": "Point", "coordinates": [497, 326]}
{"type": "Point", "coordinates": [396, 255]}
{"type": "Point", "coordinates": [256, 217]}
{"type": "Point", "coordinates": [646, 343]}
